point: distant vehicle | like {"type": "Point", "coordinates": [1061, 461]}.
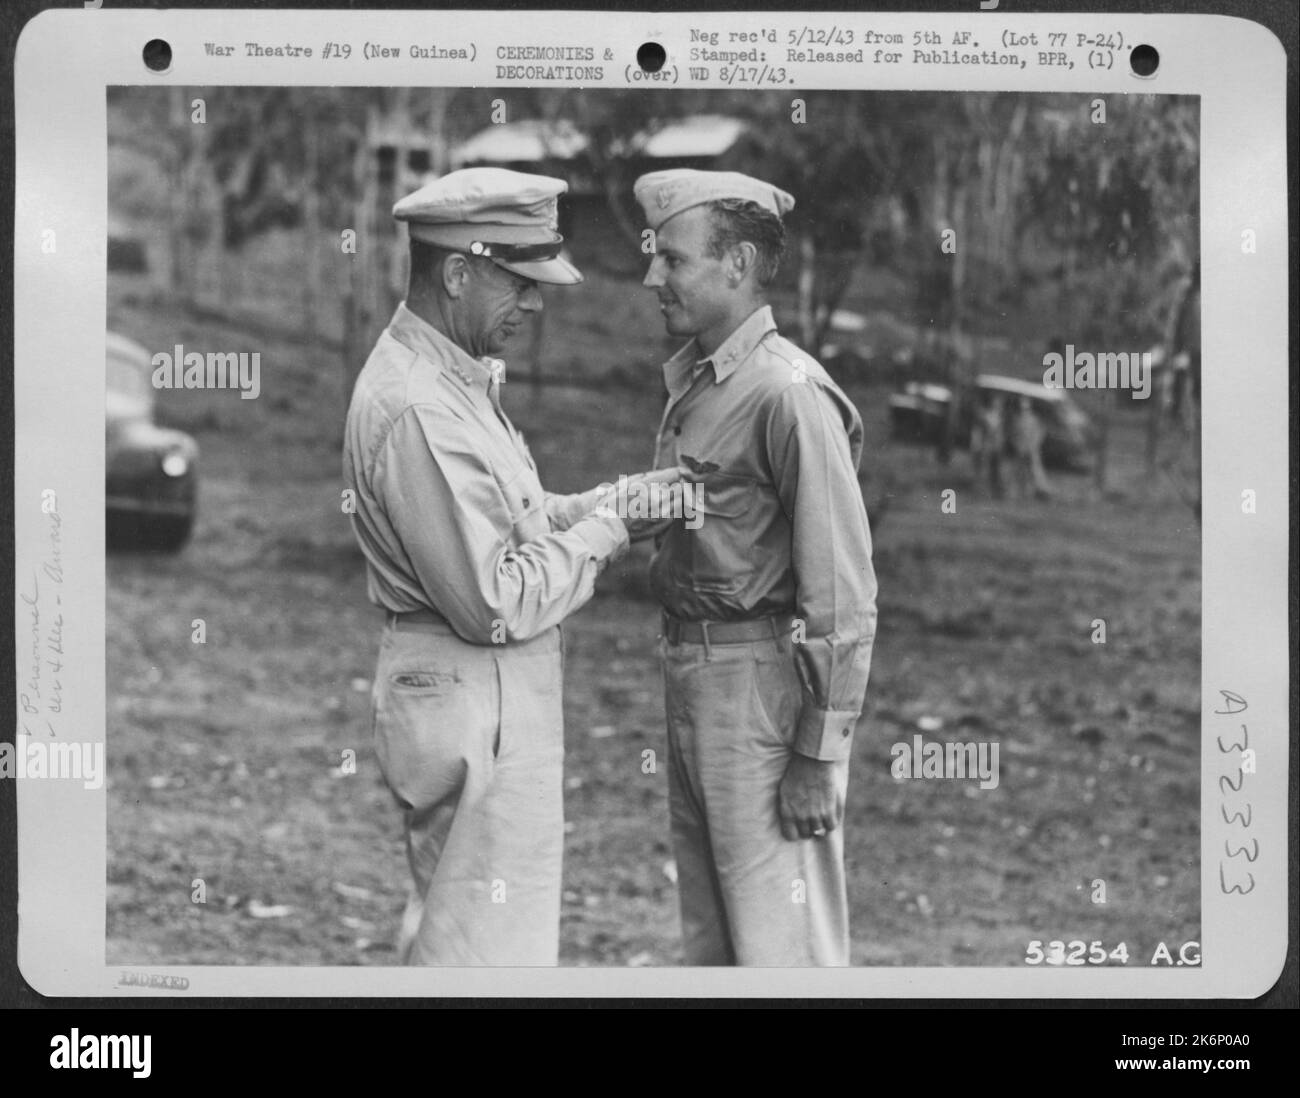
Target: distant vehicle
{"type": "Point", "coordinates": [151, 471]}
{"type": "Point", "coordinates": [919, 412]}
{"type": "Point", "coordinates": [127, 250]}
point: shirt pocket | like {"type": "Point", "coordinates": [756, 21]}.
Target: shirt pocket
{"type": "Point", "coordinates": [526, 504]}
{"type": "Point", "coordinates": [721, 540]}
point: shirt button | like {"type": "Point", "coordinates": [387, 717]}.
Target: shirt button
{"type": "Point", "coordinates": [846, 732]}
{"type": "Point", "coordinates": [677, 429]}
{"type": "Point", "coordinates": [526, 504]}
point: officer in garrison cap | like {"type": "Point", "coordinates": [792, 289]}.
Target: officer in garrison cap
{"type": "Point", "coordinates": [475, 565]}
{"type": "Point", "coordinates": [769, 606]}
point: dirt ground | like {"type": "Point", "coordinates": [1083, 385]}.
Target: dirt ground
{"type": "Point", "coordinates": [226, 759]}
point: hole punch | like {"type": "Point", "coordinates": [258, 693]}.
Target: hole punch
{"type": "Point", "coordinates": [1144, 60]}
{"type": "Point", "coordinates": [651, 56]}
{"type": "Point", "coordinates": [157, 55]}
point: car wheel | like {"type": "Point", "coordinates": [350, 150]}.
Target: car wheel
{"type": "Point", "coordinates": [150, 533]}
{"type": "Point", "coordinates": [169, 535]}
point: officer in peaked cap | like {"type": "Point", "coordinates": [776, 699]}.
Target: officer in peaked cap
{"type": "Point", "coordinates": [474, 565]}
{"type": "Point", "coordinates": [769, 606]}
{"type": "Point", "coordinates": [508, 217]}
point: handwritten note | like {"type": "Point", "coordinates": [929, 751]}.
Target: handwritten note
{"type": "Point", "coordinates": [40, 663]}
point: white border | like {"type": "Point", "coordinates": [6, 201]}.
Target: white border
{"type": "Point", "coordinates": [65, 60]}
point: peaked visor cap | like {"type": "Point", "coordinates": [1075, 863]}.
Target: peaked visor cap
{"type": "Point", "coordinates": [508, 217]}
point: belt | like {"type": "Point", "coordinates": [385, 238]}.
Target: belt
{"type": "Point", "coordinates": [709, 633]}
{"type": "Point", "coordinates": [417, 617]}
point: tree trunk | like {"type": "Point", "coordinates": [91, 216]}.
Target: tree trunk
{"type": "Point", "coordinates": [960, 364]}
{"type": "Point", "coordinates": [177, 251]}
{"type": "Point", "coordinates": [1155, 413]}
{"type": "Point", "coordinates": [1102, 469]}
{"type": "Point", "coordinates": [615, 188]}
{"type": "Point", "coordinates": [202, 220]}
{"type": "Point", "coordinates": [826, 308]}
{"type": "Point", "coordinates": [225, 268]}
{"type": "Point", "coordinates": [358, 312]}
{"type": "Point", "coordinates": [807, 290]}
{"type": "Point", "coordinates": [1006, 190]}
{"type": "Point", "coordinates": [439, 153]}
{"type": "Point", "coordinates": [311, 230]}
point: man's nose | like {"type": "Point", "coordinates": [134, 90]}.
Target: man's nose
{"type": "Point", "coordinates": [653, 278]}
{"type": "Point", "coordinates": [530, 301]}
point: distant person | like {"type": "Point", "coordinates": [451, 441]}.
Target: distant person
{"type": "Point", "coordinates": [1183, 349]}
{"type": "Point", "coordinates": [1025, 435]}
{"type": "Point", "coordinates": [988, 442]}
{"type": "Point", "coordinates": [770, 606]}
{"type": "Point", "coordinates": [475, 565]}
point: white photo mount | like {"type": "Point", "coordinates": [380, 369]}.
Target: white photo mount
{"type": "Point", "coordinates": [66, 62]}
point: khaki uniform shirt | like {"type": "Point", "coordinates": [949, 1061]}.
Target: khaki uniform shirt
{"type": "Point", "coordinates": [449, 511]}
{"type": "Point", "coordinates": [783, 528]}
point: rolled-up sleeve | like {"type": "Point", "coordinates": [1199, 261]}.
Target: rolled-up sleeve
{"type": "Point", "coordinates": [816, 478]}
{"type": "Point", "coordinates": [453, 522]}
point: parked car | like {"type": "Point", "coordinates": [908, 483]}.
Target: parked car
{"type": "Point", "coordinates": [127, 250]}
{"type": "Point", "coordinates": [919, 412]}
{"type": "Point", "coordinates": [152, 471]}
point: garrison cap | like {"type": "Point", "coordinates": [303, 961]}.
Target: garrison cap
{"type": "Point", "coordinates": [509, 217]}
{"type": "Point", "coordinates": [665, 194]}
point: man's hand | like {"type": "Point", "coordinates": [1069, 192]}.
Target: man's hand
{"type": "Point", "coordinates": [658, 500]}
{"type": "Point", "coordinates": [808, 801]}
{"type": "Point", "coordinates": [638, 529]}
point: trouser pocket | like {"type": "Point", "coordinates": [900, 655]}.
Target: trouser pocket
{"type": "Point", "coordinates": [437, 710]}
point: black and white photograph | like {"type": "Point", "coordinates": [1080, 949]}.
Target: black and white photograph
{"type": "Point", "coordinates": [670, 509]}
{"type": "Point", "coordinates": [607, 527]}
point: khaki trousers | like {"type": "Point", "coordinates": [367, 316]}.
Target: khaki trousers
{"type": "Point", "coordinates": [470, 739]}
{"type": "Point", "coordinates": [748, 895]}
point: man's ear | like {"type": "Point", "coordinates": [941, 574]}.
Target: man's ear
{"type": "Point", "coordinates": [744, 257]}
{"type": "Point", "coordinates": [455, 274]}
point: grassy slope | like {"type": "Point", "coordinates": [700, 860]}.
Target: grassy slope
{"type": "Point", "coordinates": [224, 757]}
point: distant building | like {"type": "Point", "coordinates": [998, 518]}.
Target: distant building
{"type": "Point", "coordinates": [559, 149]}
{"type": "Point", "coordinates": [534, 144]}
{"type": "Point", "coordinates": [695, 142]}
{"type": "Point", "coordinates": [531, 145]}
